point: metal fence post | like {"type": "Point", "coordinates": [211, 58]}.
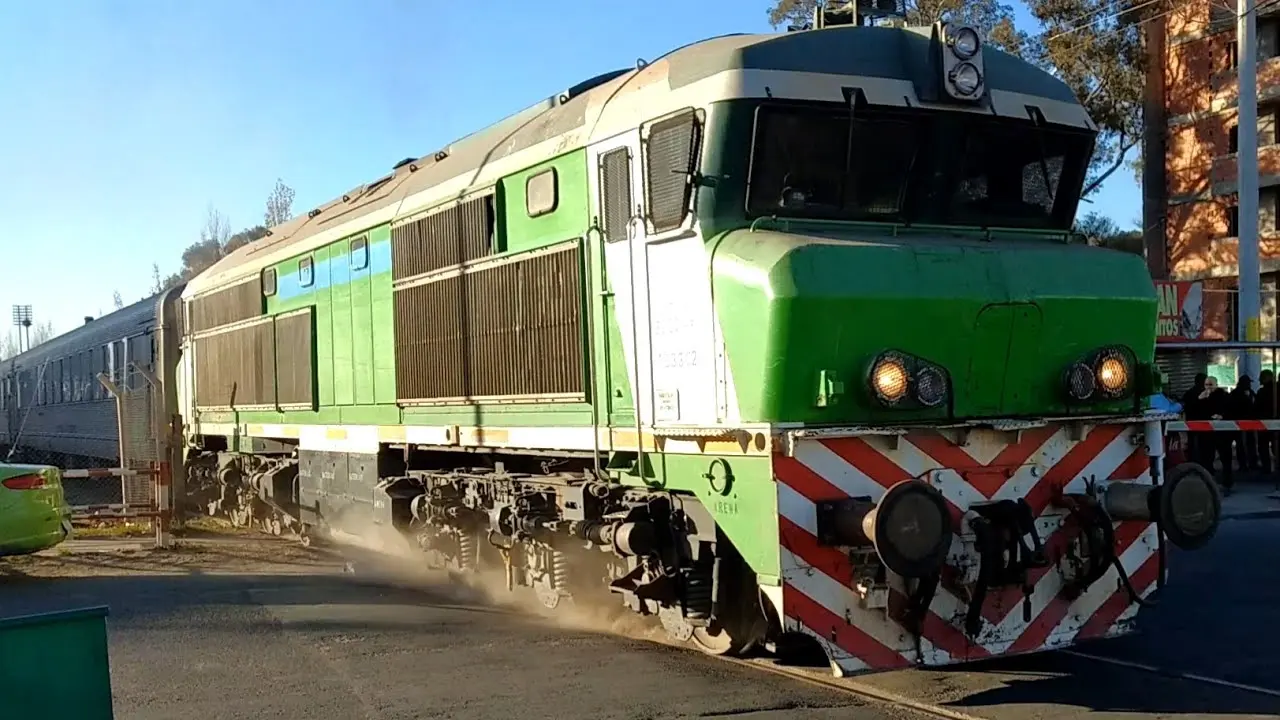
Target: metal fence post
{"type": "Point", "coordinates": [162, 484]}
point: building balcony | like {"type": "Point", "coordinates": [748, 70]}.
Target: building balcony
{"type": "Point", "coordinates": [1225, 172]}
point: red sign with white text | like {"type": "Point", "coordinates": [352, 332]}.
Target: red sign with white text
{"type": "Point", "coordinates": [1180, 313]}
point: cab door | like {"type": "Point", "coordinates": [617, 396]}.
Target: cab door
{"type": "Point", "coordinates": [615, 176]}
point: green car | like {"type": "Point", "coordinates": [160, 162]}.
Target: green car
{"type": "Point", "coordinates": [34, 514]}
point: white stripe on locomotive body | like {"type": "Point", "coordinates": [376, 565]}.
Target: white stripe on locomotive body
{"type": "Point", "coordinates": [615, 108]}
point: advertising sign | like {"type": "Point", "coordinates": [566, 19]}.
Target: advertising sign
{"type": "Point", "coordinates": [1180, 314]}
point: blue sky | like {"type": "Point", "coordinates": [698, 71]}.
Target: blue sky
{"type": "Point", "coordinates": [125, 120]}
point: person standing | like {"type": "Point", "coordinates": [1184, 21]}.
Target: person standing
{"type": "Point", "coordinates": [1193, 405]}
{"type": "Point", "coordinates": [1265, 409]}
{"type": "Point", "coordinates": [1242, 405]}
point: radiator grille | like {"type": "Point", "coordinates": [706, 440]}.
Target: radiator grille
{"type": "Point", "coordinates": [236, 368]}
{"type": "Point", "coordinates": [445, 239]}
{"type": "Point", "coordinates": [230, 305]}
{"type": "Point", "coordinates": [509, 330]}
{"type": "Point", "coordinates": [294, 359]}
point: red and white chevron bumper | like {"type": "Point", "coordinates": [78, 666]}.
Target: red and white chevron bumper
{"type": "Point", "coordinates": [819, 595]}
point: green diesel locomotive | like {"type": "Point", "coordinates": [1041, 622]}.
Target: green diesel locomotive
{"type": "Point", "coordinates": [776, 337]}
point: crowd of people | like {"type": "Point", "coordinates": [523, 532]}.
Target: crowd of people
{"type": "Point", "coordinates": [1206, 400]}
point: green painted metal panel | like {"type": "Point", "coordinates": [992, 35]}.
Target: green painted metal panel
{"type": "Point", "coordinates": [741, 495]}
{"type": "Point", "coordinates": [341, 321]}
{"type": "Point", "coordinates": [324, 327]}
{"type": "Point", "coordinates": [798, 307]}
{"type": "Point", "coordinates": [384, 344]}
{"type": "Point", "coordinates": [551, 415]}
{"type": "Point", "coordinates": [56, 666]}
{"type": "Point", "coordinates": [568, 220]}
{"type": "Point", "coordinates": [361, 334]}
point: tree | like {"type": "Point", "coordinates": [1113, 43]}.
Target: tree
{"type": "Point", "coordinates": [279, 204]}
{"type": "Point", "coordinates": [39, 333]}
{"type": "Point", "coordinates": [1094, 46]}
{"type": "Point", "coordinates": [157, 283]}
{"type": "Point", "coordinates": [1101, 231]}
{"type": "Point", "coordinates": [244, 237]}
{"type": "Point", "coordinates": [216, 240]}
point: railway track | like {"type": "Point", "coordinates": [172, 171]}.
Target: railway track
{"type": "Point", "coordinates": [938, 692]}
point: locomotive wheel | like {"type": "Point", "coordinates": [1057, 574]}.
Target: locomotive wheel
{"type": "Point", "coordinates": [740, 623]}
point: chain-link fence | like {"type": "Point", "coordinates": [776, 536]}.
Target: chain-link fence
{"type": "Point", "coordinates": [113, 477]}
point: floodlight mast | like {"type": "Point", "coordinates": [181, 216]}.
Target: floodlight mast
{"type": "Point", "coordinates": [22, 321]}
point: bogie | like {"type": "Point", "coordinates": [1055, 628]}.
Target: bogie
{"type": "Point", "coordinates": [568, 537]}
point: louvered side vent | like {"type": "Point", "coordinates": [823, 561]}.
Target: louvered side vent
{"type": "Point", "coordinates": [510, 330]}
{"type": "Point", "coordinates": [226, 306]}
{"type": "Point", "coordinates": [615, 182]}
{"type": "Point", "coordinates": [671, 153]}
{"type": "Point", "coordinates": [452, 237]}
{"type": "Point", "coordinates": [295, 352]}
{"type": "Point", "coordinates": [237, 368]}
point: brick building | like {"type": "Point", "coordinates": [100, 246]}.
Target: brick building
{"type": "Point", "coordinates": [1192, 93]}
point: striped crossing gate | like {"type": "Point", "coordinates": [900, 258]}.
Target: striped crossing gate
{"type": "Point", "coordinates": [144, 494]}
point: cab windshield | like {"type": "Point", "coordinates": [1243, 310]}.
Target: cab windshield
{"type": "Point", "coordinates": [915, 166]}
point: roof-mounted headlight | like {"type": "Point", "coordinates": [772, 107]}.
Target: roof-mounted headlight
{"type": "Point", "coordinates": [966, 79]}
{"type": "Point", "coordinates": [960, 50]}
{"type": "Point", "coordinates": [965, 43]}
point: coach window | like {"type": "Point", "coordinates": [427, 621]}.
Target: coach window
{"type": "Point", "coordinates": [306, 273]}
{"type": "Point", "coordinates": [269, 282]}
{"type": "Point", "coordinates": [359, 254]}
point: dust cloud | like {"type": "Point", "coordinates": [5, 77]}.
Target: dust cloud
{"type": "Point", "coordinates": [377, 554]}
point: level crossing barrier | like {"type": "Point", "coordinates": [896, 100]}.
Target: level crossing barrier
{"type": "Point", "coordinates": [143, 494]}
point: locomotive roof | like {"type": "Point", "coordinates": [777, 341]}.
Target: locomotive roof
{"type": "Point", "coordinates": [803, 65]}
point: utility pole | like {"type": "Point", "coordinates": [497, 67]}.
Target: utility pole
{"type": "Point", "coordinates": [1250, 297]}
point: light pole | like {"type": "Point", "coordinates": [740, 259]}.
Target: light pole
{"type": "Point", "coordinates": [22, 321]}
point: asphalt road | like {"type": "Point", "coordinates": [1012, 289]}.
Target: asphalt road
{"type": "Point", "coordinates": [265, 630]}
{"type": "Point", "coordinates": [1218, 618]}
{"type": "Point", "coordinates": [315, 644]}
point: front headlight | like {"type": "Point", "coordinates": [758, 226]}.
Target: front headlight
{"type": "Point", "coordinates": [897, 377]}
{"type": "Point", "coordinates": [889, 378]}
{"type": "Point", "coordinates": [1106, 374]}
{"type": "Point", "coordinates": [1113, 374]}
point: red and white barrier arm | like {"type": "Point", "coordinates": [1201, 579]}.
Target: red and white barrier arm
{"type": "Point", "coordinates": [106, 472]}
{"type": "Point", "coordinates": [1222, 425]}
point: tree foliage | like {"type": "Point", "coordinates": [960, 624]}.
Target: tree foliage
{"type": "Point", "coordinates": [217, 241]}
{"type": "Point", "coordinates": [39, 333]}
{"type": "Point", "coordinates": [1101, 231]}
{"type": "Point", "coordinates": [279, 204]}
{"type": "Point", "coordinates": [1094, 46]}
